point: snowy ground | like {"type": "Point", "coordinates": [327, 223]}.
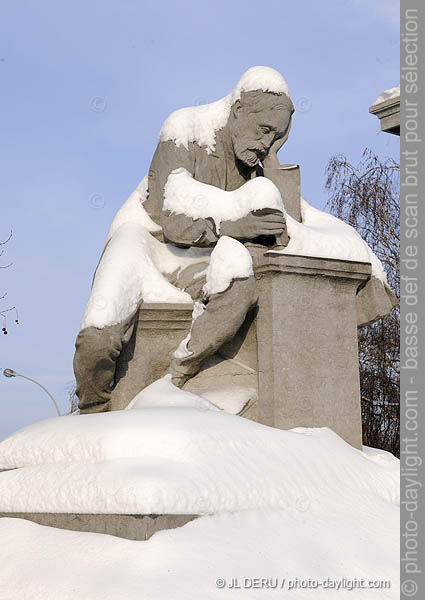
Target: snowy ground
{"type": "Point", "coordinates": [295, 508]}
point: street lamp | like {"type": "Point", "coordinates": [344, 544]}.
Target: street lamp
{"type": "Point", "coordinates": [11, 373]}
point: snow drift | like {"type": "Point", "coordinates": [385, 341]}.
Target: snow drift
{"type": "Point", "coordinates": [292, 505]}
{"type": "Point", "coordinates": [180, 460]}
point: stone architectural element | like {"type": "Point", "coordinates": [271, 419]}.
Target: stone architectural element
{"type": "Point", "coordinates": [388, 112]}
{"type": "Point", "coordinates": [308, 372]}
{"type": "Point", "coordinates": [131, 527]}
{"type": "Point", "coordinates": [159, 330]}
{"type": "Point", "coordinates": [287, 180]}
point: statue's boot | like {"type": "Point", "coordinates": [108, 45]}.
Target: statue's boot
{"type": "Point", "coordinates": [224, 314]}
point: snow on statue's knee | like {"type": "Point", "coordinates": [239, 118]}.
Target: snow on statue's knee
{"type": "Point", "coordinates": [229, 260]}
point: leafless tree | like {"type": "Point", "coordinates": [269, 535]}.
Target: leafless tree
{"type": "Point", "coordinates": [72, 397]}
{"type": "Point", "coordinates": [367, 196]}
{"type": "Point", "coordinates": [4, 311]}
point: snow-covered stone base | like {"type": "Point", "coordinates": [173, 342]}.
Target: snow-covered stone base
{"type": "Point", "coordinates": [338, 542]}
{"type": "Point", "coordinates": [281, 505]}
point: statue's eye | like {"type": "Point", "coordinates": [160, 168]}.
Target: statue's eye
{"type": "Point", "coordinates": [265, 129]}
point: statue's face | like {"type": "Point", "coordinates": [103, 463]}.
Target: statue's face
{"type": "Point", "coordinates": [254, 131]}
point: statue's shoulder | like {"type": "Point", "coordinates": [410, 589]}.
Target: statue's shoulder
{"type": "Point", "coordinates": [169, 156]}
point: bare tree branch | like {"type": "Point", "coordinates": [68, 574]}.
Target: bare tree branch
{"type": "Point", "coordinates": [3, 311]}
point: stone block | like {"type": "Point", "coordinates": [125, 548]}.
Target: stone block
{"type": "Point", "coordinates": [308, 372]}
{"type": "Point", "coordinates": [388, 113]}
{"type": "Point", "coordinates": [131, 527]}
{"type": "Point", "coordinates": [160, 329]}
{"type": "Point", "coordinates": [287, 180]}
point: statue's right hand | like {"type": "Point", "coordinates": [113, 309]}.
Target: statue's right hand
{"type": "Point", "coordinates": [257, 223]}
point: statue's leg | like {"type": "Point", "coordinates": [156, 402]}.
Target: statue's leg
{"type": "Point", "coordinates": [216, 320]}
{"type": "Point", "coordinates": [96, 354]}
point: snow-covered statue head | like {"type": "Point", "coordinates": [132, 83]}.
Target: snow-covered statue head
{"type": "Point", "coordinates": [256, 122]}
{"type": "Point", "coordinates": [257, 113]}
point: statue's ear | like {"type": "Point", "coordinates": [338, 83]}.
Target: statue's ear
{"type": "Point", "coordinates": [236, 108]}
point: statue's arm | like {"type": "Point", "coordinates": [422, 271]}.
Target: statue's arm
{"type": "Point", "coordinates": [267, 222]}
{"type": "Point", "coordinates": [285, 177]}
{"type": "Point", "coordinates": [271, 165]}
{"type": "Point", "coordinates": [177, 228]}
{"type": "Point", "coordinates": [185, 231]}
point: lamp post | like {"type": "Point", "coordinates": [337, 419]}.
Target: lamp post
{"type": "Point", "coordinates": [11, 373]}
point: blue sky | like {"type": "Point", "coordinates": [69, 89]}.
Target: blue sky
{"type": "Point", "coordinates": [85, 86]}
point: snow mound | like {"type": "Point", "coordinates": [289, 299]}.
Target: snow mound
{"type": "Point", "coordinates": [283, 505]}
{"type": "Point", "coordinates": [229, 261]}
{"type": "Point", "coordinates": [162, 393]}
{"type": "Point", "coordinates": [127, 273]}
{"type": "Point", "coordinates": [134, 265]}
{"type": "Point", "coordinates": [323, 235]}
{"type": "Point", "coordinates": [387, 94]}
{"type": "Point", "coordinates": [200, 123]}
{"type": "Point", "coordinates": [337, 542]}
{"type": "Point", "coordinates": [380, 457]}
{"type": "Point", "coordinates": [232, 400]}
{"type": "Point", "coordinates": [180, 461]}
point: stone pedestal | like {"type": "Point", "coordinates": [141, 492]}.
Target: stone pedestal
{"type": "Point", "coordinates": [308, 373]}
{"type": "Point", "coordinates": [159, 330]}
{"type": "Point", "coordinates": [388, 113]}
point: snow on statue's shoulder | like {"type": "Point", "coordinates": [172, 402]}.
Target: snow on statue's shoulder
{"type": "Point", "coordinates": [133, 211]}
{"type": "Point", "coordinates": [199, 123]}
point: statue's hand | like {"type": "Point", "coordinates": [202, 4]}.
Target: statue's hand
{"type": "Point", "coordinates": [271, 161]}
{"type": "Point", "coordinates": [255, 224]}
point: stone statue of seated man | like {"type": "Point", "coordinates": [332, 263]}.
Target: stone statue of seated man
{"type": "Point", "coordinates": [220, 145]}
{"type": "Point", "coordinates": [214, 195]}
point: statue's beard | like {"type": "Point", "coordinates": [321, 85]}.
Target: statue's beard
{"type": "Point", "coordinates": [247, 152]}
